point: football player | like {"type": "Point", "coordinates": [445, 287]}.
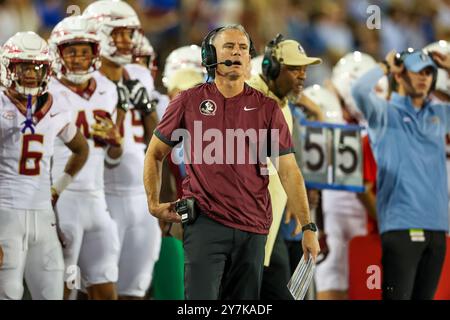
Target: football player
{"type": "Point", "coordinates": [91, 235]}
{"type": "Point", "coordinates": [140, 236]}
{"type": "Point", "coordinates": [30, 122]}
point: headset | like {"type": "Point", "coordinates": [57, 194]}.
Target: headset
{"type": "Point", "coordinates": [400, 58]}
{"type": "Point", "coordinates": [209, 55]}
{"type": "Point", "coordinates": [270, 65]}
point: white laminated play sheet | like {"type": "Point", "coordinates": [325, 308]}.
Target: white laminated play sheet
{"type": "Point", "coordinates": [301, 279]}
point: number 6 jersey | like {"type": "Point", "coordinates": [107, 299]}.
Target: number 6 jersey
{"type": "Point", "coordinates": [25, 157]}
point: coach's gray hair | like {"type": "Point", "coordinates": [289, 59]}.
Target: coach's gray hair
{"type": "Point", "coordinates": [231, 27]}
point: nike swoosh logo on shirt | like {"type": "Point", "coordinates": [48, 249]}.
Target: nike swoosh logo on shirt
{"type": "Point", "coordinates": [54, 114]}
{"type": "Point", "coordinates": [248, 109]}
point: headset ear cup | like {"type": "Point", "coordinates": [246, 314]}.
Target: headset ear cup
{"type": "Point", "coordinates": [209, 52]}
{"type": "Point", "coordinates": [211, 58]}
{"type": "Point", "coordinates": [275, 68]}
{"type": "Point", "coordinates": [203, 53]}
{"type": "Point", "coordinates": [252, 51]}
{"type": "Point", "coordinates": [266, 66]}
{"type": "Point", "coordinates": [207, 55]}
{"type": "Point", "coordinates": [270, 64]}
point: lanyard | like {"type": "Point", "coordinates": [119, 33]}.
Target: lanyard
{"type": "Point", "coordinates": [28, 123]}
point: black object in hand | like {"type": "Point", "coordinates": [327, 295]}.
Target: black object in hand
{"type": "Point", "coordinates": [186, 209]}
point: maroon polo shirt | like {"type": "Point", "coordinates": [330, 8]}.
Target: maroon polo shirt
{"type": "Point", "coordinates": [227, 190]}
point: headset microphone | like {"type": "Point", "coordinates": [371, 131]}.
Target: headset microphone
{"type": "Point", "coordinates": [228, 63]}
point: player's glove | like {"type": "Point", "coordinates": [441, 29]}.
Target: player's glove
{"type": "Point", "coordinates": [139, 96]}
{"type": "Point", "coordinates": [106, 132]}
{"type": "Point", "coordinates": [123, 96]}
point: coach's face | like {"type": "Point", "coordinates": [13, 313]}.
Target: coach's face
{"type": "Point", "coordinates": [232, 44]}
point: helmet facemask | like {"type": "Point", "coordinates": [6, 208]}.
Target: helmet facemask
{"type": "Point", "coordinates": [27, 77]}
{"type": "Point", "coordinates": [110, 17]}
{"type": "Point", "coordinates": [25, 64]}
{"type": "Point", "coordinates": [122, 42]}
{"type": "Point", "coordinates": [78, 61]}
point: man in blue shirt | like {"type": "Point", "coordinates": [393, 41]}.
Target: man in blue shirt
{"type": "Point", "coordinates": [407, 134]}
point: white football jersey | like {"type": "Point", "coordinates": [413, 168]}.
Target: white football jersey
{"type": "Point", "coordinates": [101, 102]}
{"type": "Point", "coordinates": [126, 178]}
{"type": "Point", "coordinates": [25, 157]}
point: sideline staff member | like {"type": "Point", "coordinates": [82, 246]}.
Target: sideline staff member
{"type": "Point", "coordinates": [407, 134]}
{"type": "Point", "coordinates": [283, 74]}
{"type": "Point", "coordinates": [224, 247]}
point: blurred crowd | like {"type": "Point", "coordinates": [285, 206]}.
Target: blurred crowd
{"type": "Point", "coordinates": [325, 28]}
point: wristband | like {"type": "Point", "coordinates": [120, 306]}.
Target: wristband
{"type": "Point", "coordinates": [62, 183]}
{"type": "Point", "coordinates": [111, 161]}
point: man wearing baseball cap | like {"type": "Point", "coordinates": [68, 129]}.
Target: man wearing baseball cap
{"type": "Point", "coordinates": [283, 74]}
{"type": "Point", "coordinates": [407, 135]}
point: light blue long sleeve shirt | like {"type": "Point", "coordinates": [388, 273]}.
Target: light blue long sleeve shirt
{"type": "Point", "coordinates": [409, 148]}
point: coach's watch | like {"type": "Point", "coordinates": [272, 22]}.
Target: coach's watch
{"type": "Point", "coordinates": [310, 226]}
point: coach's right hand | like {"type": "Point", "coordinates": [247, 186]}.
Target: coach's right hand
{"type": "Point", "coordinates": [165, 211]}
